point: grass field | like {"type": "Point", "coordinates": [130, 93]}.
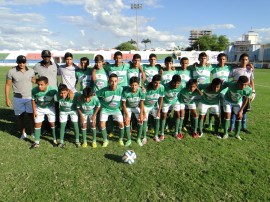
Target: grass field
{"type": "Point", "coordinates": [205, 169]}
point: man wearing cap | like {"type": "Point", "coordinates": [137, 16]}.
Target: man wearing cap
{"type": "Point", "coordinates": [21, 78]}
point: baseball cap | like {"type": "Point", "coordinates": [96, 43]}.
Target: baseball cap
{"type": "Point", "coordinates": [46, 53]}
{"type": "Point", "coordinates": [21, 59]}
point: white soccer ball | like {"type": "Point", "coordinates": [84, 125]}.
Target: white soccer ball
{"type": "Point", "coordinates": [129, 157]}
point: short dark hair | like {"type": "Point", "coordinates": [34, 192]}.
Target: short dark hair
{"type": "Point", "coordinates": [243, 55]}
{"type": "Point", "coordinates": [203, 54]}
{"type": "Point", "coordinates": [221, 55]}
{"type": "Point", "coordinates": [191, 82]}
{"type": "Point", "coordinates": [113, 75]}
{"type": "Point", "coordinates": [216, 82]}
{"type": "Point", "coordinates": [137, 56]}
{"type": "Point", "coordinates": [156, 77]}
{"type": "Point", "coordinates": [176, 78]}
{"type": "Point", "coordinates": [85, 58]}
{"type": "Point", "coordinates": [134, 79]}
{"type": "Point", "coordinates": [182, 59]}
{"type": "Point", "coordinates": [242, 79]}
{"type": "Point", "coordinates": [87, 91]}
{"type": "Point", "coordinates": [168, 59]}
{"type": "Point", "coordinates": [117, 53]}
{"type": "Point", "coordinates": [152, 55]}
{"type": "Point", "coordinates": [99, 58]}
{"type": "Point", "coordinates": [62, 87]}
{"type": "Point", "coordinates": [43, 78]}
{"type": "Point", "coordinates": [68, 54]}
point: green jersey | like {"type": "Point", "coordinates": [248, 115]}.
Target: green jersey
{"type": "Point", "coordinates": [101, 80]}
{"type": "Point", "coordinates": [44, 99]}
{"type": "Point", "coordinates": [110, 99]}
{"type": "Point", "coordinates": [152, 96]}
{"type": "Point", "coordinates": [149, 71]}
{"type": "Point", "coordinates": [202, 74]}
{"type": "Point", "coordinates": [84, 77]}
{"type": "Point", "coordinates": [87, 108]}
{"type": "Point", "coordinates": [187, 97]}
{"type": "Point", "coordinates": [133, 72]}
{"type": "Point", "coordinates": [133, 99]}
{"type": "Point", "coordinates": [209, 97]}
{"type": "Point", "coordinates": [234, 95]}
{"type": "Point", "coordinates": [171, 93]}
{"type": "Point", "coordinates": [221, 72]}
{"type": "Point", "coordinates": [185, 76]}
{"type": "Point", "coordinates": [120, 71]}
{"type": "Point", "coordinates": [68, 105]}
{"type": "Point", "coordinates": [166, 77]}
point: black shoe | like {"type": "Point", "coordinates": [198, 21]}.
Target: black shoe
{"type": "Point", "coordinates": [246, 131]}
{"type": "Point", "coordinates": [35, 145]}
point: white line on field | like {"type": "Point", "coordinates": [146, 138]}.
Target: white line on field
{"type": "Point", "coordinates": [262, 86]}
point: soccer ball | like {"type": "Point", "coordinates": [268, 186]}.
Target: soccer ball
{"type": "Point", "coordinates": [129, 157]}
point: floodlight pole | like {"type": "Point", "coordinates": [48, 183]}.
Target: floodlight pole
{"type": "Point", "coordinates": [136, 6]}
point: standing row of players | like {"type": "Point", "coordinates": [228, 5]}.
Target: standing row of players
{"type": "Point", "coordinates": [178, 90]}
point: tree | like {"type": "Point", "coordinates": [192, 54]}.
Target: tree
{"type": "Point", "coordinates": [126, 46]}
{"type": "Point", "coordinates": [145, 41]}
{"type": "Point", "coordinates": [132, 41]}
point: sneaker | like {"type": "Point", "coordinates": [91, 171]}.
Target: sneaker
{"type": "Point", "coordinates": [201, 134]}
{"type": "Point", "coordinates": [35, 145]}
{"type": "Point", "coordinates": [110, 135]}
{"type": "Point", "coordinates": [78, 144]}
{"type": "Point", "coordinates": [185, 129]}
{"type": "Point", "coordinates": [238, 137]}
{"type": "Point", "coordinates": [55, 142]}
{"type": "Point", "coordinates": [94, 144]}
{"type": "Point", "coordinates": [161, 138]}
{"type": "Point", "coordinates": [61, 145]}
{"type": "Point", "coordinates": [105, 144]}
{"type": "Point", "coordinates": [179, 136]}
{"type": "Point", "coordinates": [128, 143]}
{"type": "Point", "coordinates": [121, 142]}
{"type": "Point", "coordinates": [84, 145]}
{"type": "Point", "coordinates": [33, 135]}
{"type": "Point", "coordinates": [23, 136]}
{"type": "Point", "coordinates": [217, 135]}
{"type": "Point", "coordinates": [225, 136]}
{"type": "Point", "coordinates": [140, 142]}
{"type": "Point", "coordinates": [246, 131]}
{"type": "Point", "coordinates": [156, 139]}
{"type": "Point", "coordinates": [144, 140]}
{"type": "Point", "coordinates": [195, 135]}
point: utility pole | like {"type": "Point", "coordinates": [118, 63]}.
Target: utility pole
{"type": "Point", "coordinates": [136, 6]}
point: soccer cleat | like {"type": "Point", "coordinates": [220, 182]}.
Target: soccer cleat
{"type": "Point", "coordinates": [110, 135]}
{"type": "Point", "coordinates": [195, 135]}
{"type": "Point", "coordinates": [61, 145]}
{"type": "Point", "coordinates": [179, 136]}
{"type": "Point", "coordinates": [225, 136]}
{"type": "Point", "coordinates": [161, 138]}
{"type": "Point", "coordinates": [128, 143]}
{"type": "Point", "coordinates": [121, 143]}
{"type": "Point", "coordinates": [33, 135]}
{"type": "Point", "coordinates": [185, 129]}
{"type": "Point", "coordinates": [201, 134]}
{"type": "Point", "coordinates": [105, 144]}
{"type": "Point", "coordinates": [84, 145]}
{"type": "Point", "coordinates": [78, 144]}
{"type": "Point", "coordinates": [218, 135]}
{"type": "Point", "coordinates": [156, 139]}
{"type": "Point", "coordinates": [94, 145]}
{"type": "Point", "coordinates": [140, 142]}
{"type": "Point", "coordinates": [246, 131]}
{"type": "Point", "coordinates": [238, 137]}
{"type": "Point", "coordinates": [35, 145]}
{"type": "Point", "coordinates": [23, 136]}
{"type": "Point", "coordinates": [144, 140]}
{"type": "Point", "coordinates": [55, 142]}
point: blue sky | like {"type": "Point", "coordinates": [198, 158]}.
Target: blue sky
{"type": "Point", "coordinates": [103, 24]}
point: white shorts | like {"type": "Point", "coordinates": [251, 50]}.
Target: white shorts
{"type": "Point", "coordinates": [135, 111]}
{"type": "Point", "coordinates": [228, 107]}
{"type": "Point", "coordinates": [64, 116]}
{"type": "Point", "coordinates": [41, 112]}
{"type": "Point", "coordinates": [203, 108]}
{"type": "Point", "coordinates": [166, 107]}
{"type": "Point", "coordinates": [22, 105]}
{"type": "Point", "coordinates": [117, 115]}
{"type": "Point", "coordinates": [85, 117]}
{"type": "Point", "coordinates": [189, 106]}
{"type": "Point", "coordinates": [151, 110]}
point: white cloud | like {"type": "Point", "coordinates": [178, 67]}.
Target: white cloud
{"type": "Point", "coordinates": [82, 32]}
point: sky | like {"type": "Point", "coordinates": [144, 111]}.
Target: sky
{"type": "Point", "coordinates": [104, 24]}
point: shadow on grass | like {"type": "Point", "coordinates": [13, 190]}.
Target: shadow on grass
{"type": "Point", "coordinates": [114, 157]}
{"type": "Point", "coordinates": [8, 122]}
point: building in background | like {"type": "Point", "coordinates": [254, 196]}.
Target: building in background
{"type": "Point", "coordinates": [195, 34]}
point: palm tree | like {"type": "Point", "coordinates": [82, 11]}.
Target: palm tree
{"type": "Point", "coordinates": [145, 41]}
{"type": "Point", "coordinates": [132, 41]}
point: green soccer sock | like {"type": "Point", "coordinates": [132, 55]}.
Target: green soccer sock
{"type": "Point", "coordinates": [128, 132]}
{"type": "Point", "coordinates": [163, 123]}
{"type": "Point", "coordinates": [144, 128]}
{"type": "Point", "coordinates": [104, 134]}
{"type": "Point", "coordinates": [211, 120]}
{"type": "Point", "coordinates": [140, 129]}
{"type": "Point", "coordinates": [226, 125]}
{"type": "Point", "coordinates": [84, 134]}
{"type": "Point", "coordinates": [201, 126]}
{"type": "Point", "coordinates": [94, 131]}
{"type": "Point", "coordinates": [37, 135]}
{"type": "Point", "coordinates": [181, 124]}
{"type": "Point", "coordinates": [157, 125]}
{"type": "Point", "coordinates": [62, 131]}
{"type": "Point", "coordinates": [122, 132]}
{"type": "Point", "coordinates": [177, 126]}
{"type": "Point", "coordinates": [53, 133]}
{"type": "Point", "coordinates": [195, 121]}
{"type": "Point", "coordinates": [237, 127]}
{"type": "Point", "coordinates": [76, 131]}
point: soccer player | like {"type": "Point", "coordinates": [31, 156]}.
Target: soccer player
{"type": "Point", "coordinates": [151, 69]}
{"type": "Point", "coordinates": [152, 105]}
{"type": "Point", "coordinates": [187, 97]}
{"type": "Point", "coordinates": [135, 67]}
{"type": "Point", "coordinates": [67, 107]}
{"type": "Point", "coordinates": [169, 71]}
{"type": "Point", "coordinates": [83, 75]}
{"type": "Point", "coordinates": [110, 100]}
{"type": "Point", "coordinates": [88, 107]}
{"type": "Point", "coordinates": [21, 78]}
{"type": "Point", "coordinates": [99, 75]}
{"type": "Point", "coordinates": [210, 100]}
{"type": "Point", "coordinates": [133, 102]}
{"type": "Point", "coordinates": [170, 101]}
{"type": "Point", "coordinates": [43, 104]}
{"type": "Point", "coordinates": [233, 101]}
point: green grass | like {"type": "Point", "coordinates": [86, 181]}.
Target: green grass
{"type": "Point", "coordinates": [205, 169]}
